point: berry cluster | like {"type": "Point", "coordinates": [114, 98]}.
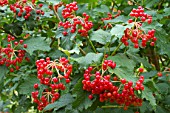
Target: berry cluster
{"type": "Point", "coordinates": [69, 10]}
{"type": "Point", "coordinates": [107, 18]}
{"type": "Point", "coordinates": [11, 56]}
{"type": "Point", "coordinates": [3, 2]}
{"type": "Point", "coordinates": [136, 33]}
{"type": "Point", "coordinates": [75, 22]}
{"type": "Point", "coordinates": [112, 89]}
{"type": "Point", "coordinates": [56, 6]}
{"type": "Point", "coordinates": [53, 82]}
{"type": "Point", "coordinates": [139, 13]}
{"type": "Point", "coordinates": [22, 8]}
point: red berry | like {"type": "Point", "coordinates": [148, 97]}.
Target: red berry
{"type": "Point", "coordinates": [25, 45]}
{"type": "Point", "coordinates": [55, 79]}
{"type": "Point", "coordinates": [149, 21]}
{"type": "Point", "coordinates": [64, 33]}
{"type": "Point", "coordinates": [91, 97]}
{"type": "Point", "coordinates": [152, 43]}
{"type": "Point", "coordinates": [16, 43]}
{"type": "Point", "coordinates": [136, 45]}
{"type": "Point", "coordinates": [35, 86]}
{"type": "Point", "coordinates": [109, 94]}
{"type": "Point", "coordinates": [21, 41]}
{"type": "Point", "coordinates": [130, 20]}
{"type": "Point", "coordinates": [123, 81]}
{"type": "Point", "coordinates": [40, 5]}
{"type": "Point", "coordinates": [141, 70]}
{"type": "Point", "coordinates": [143, 19]}
{"type": "Point", "coordinates": [67, 80]}
{"type": "Point", "coordinates": [159, 74]}
{"type": "Point", "coordinates": [11, 69]}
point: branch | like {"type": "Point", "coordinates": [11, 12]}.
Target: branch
{"type": "Point", "coordinates": [7, 32]}
{"type": "Point", "coordinates": [81, 50]}
{"type": "Point", "coordinates": [114, 52]}
{"type": "Point", "coordinates": [56, 13]}
{"type": "Point", "coordinates": [91, 43]}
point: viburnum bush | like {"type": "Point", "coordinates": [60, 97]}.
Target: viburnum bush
{"type": "Point", "coordinates": [84, 56]}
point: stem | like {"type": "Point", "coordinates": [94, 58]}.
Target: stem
{"type": "Point", "coordinates": [7, 32]}
{"type": "Point", "coordinates": [113, 3]}
{"type": "Point", "coordinates": [92, 45]}
{"type": "Point", "coordinates": [58, 42]}
{"type": "Point", "coordinates": [115, 81]}
{"type": "Point", "coordinates": [103, 71]}
{"type": "Point", "coordinates": [114, 52]}
{"type": "Point", "coordinates": [120, 87]}
{"type": "Point", "coordinates": [81, 50]}
{"type": "Point", "coordinates": [111, 106]}
{"type": "Point", "coordinates": [53, 40]}
{"type": "Point", "coordinates": [56, 14]}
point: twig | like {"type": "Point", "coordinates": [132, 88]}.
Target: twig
{"type": "Point", "coordinates": [56, 14]}
{"type": "Point", "coordinates": [7, 32]}
{"type": "Point", "coordinates": [92, 45]}
{"type": "Point", "coordinates": [81, 50]}
{"type": "Point", "coordinates": [114, 52]}
{"type": "Point", "coordinates": [112, 106]}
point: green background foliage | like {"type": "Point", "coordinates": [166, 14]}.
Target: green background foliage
{"type": "Point", "coordinates": [46, 40]}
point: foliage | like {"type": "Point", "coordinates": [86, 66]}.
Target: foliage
{"type": "Point", "coordinates": [86, 56]}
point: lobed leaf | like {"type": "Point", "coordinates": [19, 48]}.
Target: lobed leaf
{"type": "Point", "coordinates": [36, 43]}
{"type": "Point", "coordinates": [63, 101]}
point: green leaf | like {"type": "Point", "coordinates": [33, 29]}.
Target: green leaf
{"type": "Point", "coordinates": [102, 9]}
{"type": "Point", "coordinates": [167, 100]}
{"type": "Point", "coordinates": [101, 36]}
{"type": "Point", "coordinates": [154, 25]}
{"type": "Point", "coordinates": [167, 11]}
{"type": "Point", "coordinates": [124, 66]}
{"type": "Point", "coordinates": [148, 95]}
{"type": "Point", "coordinates": [163, 42]}
{"type": "Point", "coordinates": [63, 101]}
{"type": "Point", "coordinates": [64, 51]}
{"type": "Point", "coordinates": [113, 110]}
{"type": "Point", "coordinates": [118, 110]}
{"type": "Point", "coordinates": [69, 109]}
{"type": "Point", "coordinates": [118, 30]}
{"type": "Point", "coordinates": [54, 2]}
{"type": "Point", "coordinates": [89, 59]}
{"type": "Point", "coordinates": [3, 70]}
{"type": "Point", "coordinates": [138, 59]}
{"type": "Point", "coordinates": [160, 109]}
{"type": "Point", "coordinates": [86, 1]}
{"type": "Point", "coordinates": [82, 101]}
{"type": "Point", "coordinates": [150, 3]}
{"type": "Point", "coordinates": [150, 74]}
{"type": "Point", "coordinates": [96, 104]}
{"type": "Point", "coordinates": [151, 84]}
{"type": "Point", "coordinates": [16, 29]}
{"type": "Point", "coordinates": [28, 85]}
{"type": "Point", "coordinates": [163, 88]}
{"type": "Point", "coordinates": [36, 43]}
{"type": "Point", "coordinates": [119, 19]}
{"type": "Point", "coordinates": [55, 54]}
{"type": "Point", "coordinates": [144, 107]}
